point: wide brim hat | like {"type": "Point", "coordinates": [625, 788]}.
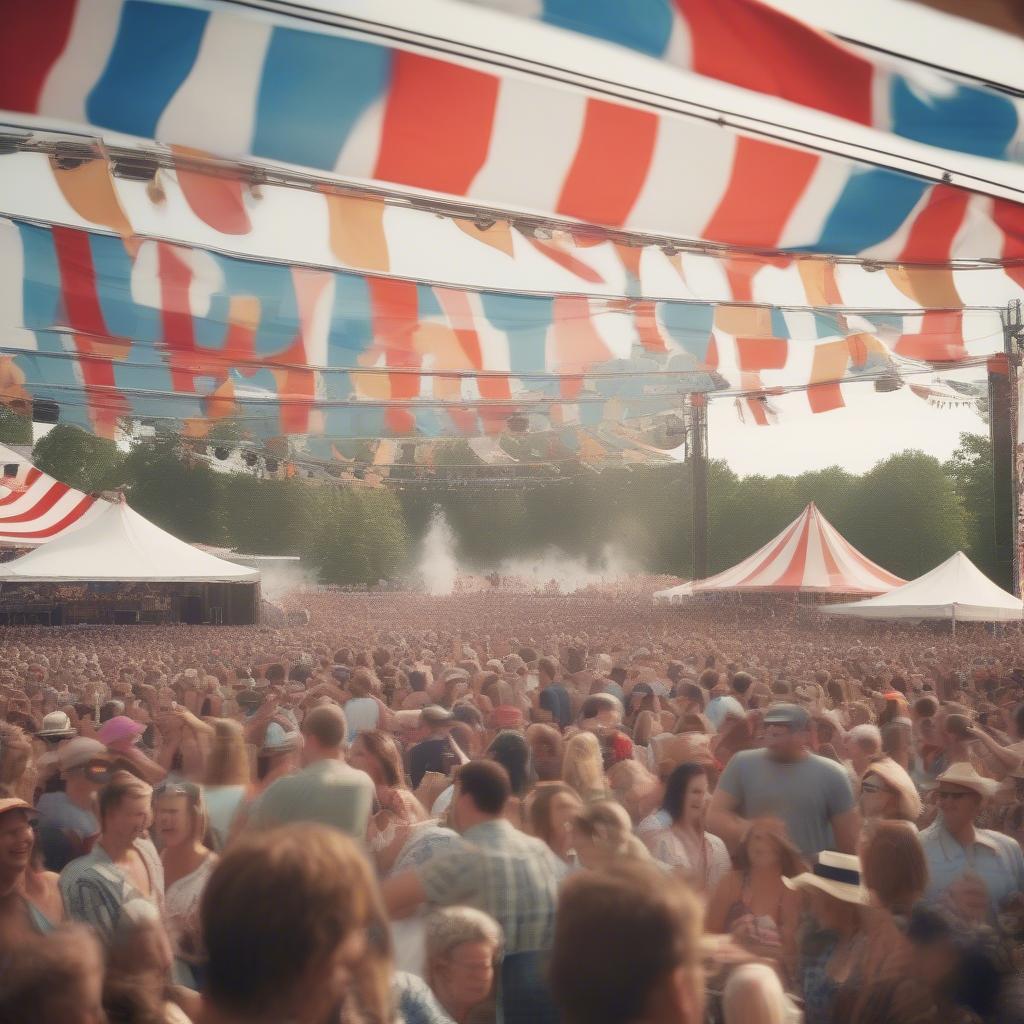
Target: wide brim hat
{"type": "Point", "coordinates": [893, 774]}
{"type": "Point", "coordinates": [837, 875]}
{"type": "Point", "coordinates": [964, 774]}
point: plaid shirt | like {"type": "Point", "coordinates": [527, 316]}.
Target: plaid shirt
{"type": "Point", "coordinates": [511, 876]}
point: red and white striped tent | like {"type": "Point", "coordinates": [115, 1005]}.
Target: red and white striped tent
{"type": "Point", "coordinates": [810, 556]}
{"type": "Point", "coordinates": [35, 508]}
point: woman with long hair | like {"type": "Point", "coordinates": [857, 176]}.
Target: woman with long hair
{"type": "Point", "coordinates": [551, 808]}
{"type": "Point", "coordinates": [583, 766]}
{"type": "Point", "coordinates": [226, 777]}
{"type": "Point", "coordinates": [376, 753]}
{"type": "Point", "coordinates": [180, 824]}
{"type": "Point", "coordinates": [752, 903]}
{"type": "Point", "coordinates": [700, 857]}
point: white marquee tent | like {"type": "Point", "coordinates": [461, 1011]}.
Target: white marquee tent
{"type": "Point", "coordinates": [956, 590]}
{"type": "Point", "coordinates": [119, 545]}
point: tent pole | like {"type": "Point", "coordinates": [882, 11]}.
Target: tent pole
{"type": "Point", "coordinates": [952, 619]}
{"type": "Point", "coordinates": [698, 454]}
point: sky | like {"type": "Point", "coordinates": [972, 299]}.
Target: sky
{"type": "Point", "coordinates": [854, 438]}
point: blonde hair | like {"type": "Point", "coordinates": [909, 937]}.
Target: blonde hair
{"type": "Point", "coordinates": [583, 766]}
{"type": "Point", "coordinates": [228, 761]}
{"type": "Point", "coordinates": [754, 995]}
{"type": "Point", "coordinates": [607, 824]}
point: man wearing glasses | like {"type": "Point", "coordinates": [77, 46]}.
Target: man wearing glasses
{"type": "Point", "coordinates": [973, 868]}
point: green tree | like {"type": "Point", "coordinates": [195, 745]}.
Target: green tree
{"type": "Point", "coordinates": [174, 489]}
{"type": "Point", "coordinates": [971, 469]}
{"type": "Point", "coordinates": [908, 515]}
{"type": "Point", "coordinates": [14, 429]}
{"type": "Point", "coordinates": [79, 459]}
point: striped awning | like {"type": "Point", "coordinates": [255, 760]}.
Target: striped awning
{"type": "Point", "coordinates": [809, 556]}
{"type": "Point", "coordinates": [35, 508]}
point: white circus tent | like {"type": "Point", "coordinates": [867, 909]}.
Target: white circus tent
{"type": "Point", "coordinates": [810, 556]}
{"type": "Point", "coordinates": [35, 508]}
{"type": "Point", "coordinates": [956, 590]}
{"type": "Point", "coordinates": [121, 546]}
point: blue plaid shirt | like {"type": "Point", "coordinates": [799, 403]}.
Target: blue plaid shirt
{"type": "Point", "coordinates": [509, 875]}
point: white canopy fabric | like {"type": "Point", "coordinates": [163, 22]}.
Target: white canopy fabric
{"type": "Point", "coordinates": [119, 545]}
{"type": "Point", "coordinates": [956, 590]}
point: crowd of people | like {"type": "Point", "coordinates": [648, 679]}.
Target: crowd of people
{"type": "Point", "coordinates": [502, 807]}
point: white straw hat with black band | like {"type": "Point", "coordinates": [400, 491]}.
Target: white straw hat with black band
{"type": "Point", "coordinates": [837, 874]}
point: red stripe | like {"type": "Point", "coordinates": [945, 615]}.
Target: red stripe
{"type": "Point", "coordinates": [761, 353]}
{"type": "Point", "coordinates": [395, 306]}
{"type": "Point", "coordinates": [34, 35]}
{"type": "Point", "coordinates": [794, 574]}
{"type": "Point", "coordinates": [774, 553]}
{"type": "Point", "coordinates": [567, 260]}
{"type": "Point", "coordinates": [50, 497]}
{"type": "Point", "coordinates": [935, 227]}
{"type": "Point", "coordinates": [611, 163]}
{"type": "Point", "coordinates": [30, 478]}
{"type": "Point", "coordinates": [72, 517]}
{"type": "Point", "coordinates": [941, 338]}
{"type": "Point", "coordinates": [865, 563]}
{"type": "Point", "coordinates": [176, 315]}
{"type": "Point", "coordinates": [825, 397]}
{"type": "Point", "coordinates": [1009, 218]}
{"type": "Point", "coordinates": [78, 280]}
{"type": "Point", "coordinates": [216, 201]}
{"type": "Point", "coordinates": [835, 574]}
{"type": "Point", "coordinates": [767, 182]}
{"type": "Point", "coordinates": [758, 411]}
{"type": "Point", "coordinates": [437, 123]}
{"type": "Point", "coordinates": [753, 46]}
{"type": "Point", "coordinates": [647, 327]}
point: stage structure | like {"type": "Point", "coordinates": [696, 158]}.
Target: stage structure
{"type": "Point", "coordinates": [121, 568]}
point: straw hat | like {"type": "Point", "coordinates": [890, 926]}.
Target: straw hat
{"type": "Point", "coordinates": [963, 774]}
{"type": "Point", "coordinates": [837, 874]}
{"type": "Point", "coordinates": [893, 774]}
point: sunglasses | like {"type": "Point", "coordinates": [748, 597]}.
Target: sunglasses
{"type": "Point", "coordinates": [873, 787]}
{"type": "Point", "coordinates": [947, 794]}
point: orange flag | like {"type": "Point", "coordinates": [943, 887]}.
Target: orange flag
{"type": "Point", "coordinates": [357, 231]}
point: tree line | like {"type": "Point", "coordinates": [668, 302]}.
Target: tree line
{"type": "Point", "coordinates": [908, 513]}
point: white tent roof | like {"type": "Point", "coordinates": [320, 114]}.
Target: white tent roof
{"type": "Point", "coordinates": [956, 589]}
{"type": "Point", "coordinates": [120, 545]}
{"type": "Point", "coordinates": [674, 594]}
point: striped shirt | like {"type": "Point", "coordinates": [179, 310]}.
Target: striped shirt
{"type": "Point", "coordinates": [511, 876]}
{"type": "Point", "coordinates": [95, 889]}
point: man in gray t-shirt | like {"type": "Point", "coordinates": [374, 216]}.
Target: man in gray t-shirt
{"type": "Point", "coordinates": [810, 794]}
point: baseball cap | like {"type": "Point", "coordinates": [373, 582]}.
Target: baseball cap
{"type": "Point", "coordinates": [13, 803]}
{"type": "Point", "coordinates": [80, 751]}
{"type": "Point", "coordinates": [118, 729]}
{"type": "Point", "coordinates": [792, 715]}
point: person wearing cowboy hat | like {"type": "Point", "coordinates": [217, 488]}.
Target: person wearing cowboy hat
{"type": "Point", "coordinates": [837, 896]}
{"type": "Point", "coordinates": [962, 856]}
